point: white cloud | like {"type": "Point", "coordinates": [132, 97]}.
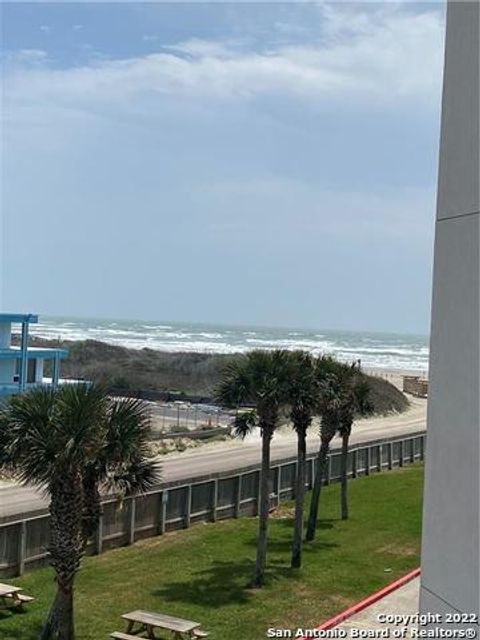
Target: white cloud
{"type": "Point", "coordinates": [29, 57]}
{"type": "Point", "coordinates": [198, 49]}
{"type": "Point", "coordinates": [216, 150]}
{"type": "Point", "coordinates": [45, 28]}
{"type": "Point", "coordinates": [374, 57]}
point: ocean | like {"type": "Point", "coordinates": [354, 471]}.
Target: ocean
{"type": "Point", "coordinates": [375, 350]}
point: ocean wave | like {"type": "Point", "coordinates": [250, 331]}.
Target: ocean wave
{"type": "Point", "coordinates": [388, 352]}
{"type": "Point", "coordinates": [286, 342]}
{"type": "Point", "coordinates": [392, 352]}
{"type": "Point", "coordinates": [156, 326]}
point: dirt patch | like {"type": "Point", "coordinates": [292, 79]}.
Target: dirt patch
{"type": "Point", "coordinates": [339, 602]}
{"type": "Point", "coordinates": [282, 513]}
{"type": "Point", "coordinates": [405, 551]}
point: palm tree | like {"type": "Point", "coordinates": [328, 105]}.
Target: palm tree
{"type": "Point", "coordinates": [258, 379]}
{"type": "Point", "coordinates": [333, 378]}
{"type": "Point", "coordinates": [123, 466]}
{"type": "Point", "coordinates": [303, 400]}
{"type": "Point", "coordinates": [71, 442]}
{"type": "Point", "coordinates": [328, 404]}
{"type": "Point", "coordinates": [354, 401]}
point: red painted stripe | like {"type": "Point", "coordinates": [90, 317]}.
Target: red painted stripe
{"type": "Point", "coordinates": [367, 602]}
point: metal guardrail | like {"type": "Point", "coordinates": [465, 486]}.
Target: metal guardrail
{"type": "Point", "coordinates": [23, 543]}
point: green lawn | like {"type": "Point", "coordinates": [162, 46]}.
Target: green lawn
{"type": "Point", "coordinates": [201, 573]}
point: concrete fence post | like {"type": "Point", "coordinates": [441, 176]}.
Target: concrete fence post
{"type": "Point", "coordinates": [163, 511]}
{"type": "Point", "coordinates": [131, 521]}
{"type": "Point", "coordinates": [412, 450]}
{"type": "Point", "coordinates": [188, 506]}
{"type": "Point", "coordinates": [401, 454]}
{"type": "Point", "coordinates": [367, 461]}
{"type": "Point", "coordinates": [279, 483]}
{"type": "Point", "coordinates": [390, 456]}
{"type": "Point", "coordinates": [238, 496]}
{"type": "Point", "coordinates": [422, 448]}
{"type": "Point", "coordinates": [214, 499]}
{"type": "Point", "coordinates": [328, 471]}
{"type": "Point", "coordinates": [354, 455]}
{"type": "Point", "coordinates": [258, 492]}
{"type": "Point", "coordinates": [22, 547]}
{"type": "Point", "coordinates": [99, 536]}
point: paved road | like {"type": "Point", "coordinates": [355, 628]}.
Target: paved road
{"type": "Point", "coordinates": [17, 501]}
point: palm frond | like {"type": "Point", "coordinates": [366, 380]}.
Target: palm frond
{"type": "Point", "coordinates": [31, 439]}
{"type": "Point", "coordinates": [361, 391]}
{"type": "Point", "coordinates": [235, 387]}
{"type": "Point", "coordinates": [81, 413]}
{"type": "Point", "coordinates": [244, 423]}
{"type": "Point", "coordinates": [303, 389]}
{"type": "Point", "coordinates": [124, 463]}
{"type": "Point", "coordinates": [139, 475]}
{"type": "Point", "coordinates": [128, 430]}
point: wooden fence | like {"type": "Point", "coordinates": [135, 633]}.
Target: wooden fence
{"type": "Point", "coordinates": [172, 506]}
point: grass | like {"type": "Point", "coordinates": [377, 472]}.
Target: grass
{"type": "Point", "coordinates": [201, 573]}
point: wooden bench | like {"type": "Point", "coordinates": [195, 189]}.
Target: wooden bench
{"type": "Point", "coordinates": [12, 597]}
{"type": "Point", "coordinates": [118, 635]}
{"type": "Point", "coordinates": [23, 598]}
{"type": "Point", "coordinates": [18, 600]}
{"type": "Point", "coordinates": [148, 621]}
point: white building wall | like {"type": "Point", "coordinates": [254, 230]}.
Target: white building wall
{"type": "Point", "coordinates": [7, 367]}
{"type": "Point", "coordinates": [5, 335]}
{"type": "Point", "coordinates": [450, 545]}
{"type": "Point", "coordinates": [7, 371]}
{"type": "Point", "coordinates": [39, 370]}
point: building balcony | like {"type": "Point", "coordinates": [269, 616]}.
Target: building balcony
{"type": "Point", "coordinates": [22, 367]}
{"type": "Point", "coordinates": [10, 389]}
{"type": "Point", "coordinates": [33, 353]}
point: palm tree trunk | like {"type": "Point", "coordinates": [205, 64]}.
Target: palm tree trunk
{"type": "Point", "coordinates": [92, 508]}
{"type": "Point", "coordinates": [50, 628]}
{"type": "Point", "coordinates": [317, 487]}
{"type": "Point", "coordinates": [299, 499]}
{"type": "Point", "coordinates": [66, 629]}
{"type": "Point", "coordinates": [264, 507]}
{"type": "Point", "coordinates": [344, 478]}
{"type": "Point", "coordinates": [66, 550]}
{"type": "Point", "coordinates": [59, 624]}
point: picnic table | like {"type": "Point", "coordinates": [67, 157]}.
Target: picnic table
{"type": "Point", "coordinates": [147, 621]}
{"type": "Point", "coordinates": [11, 597]}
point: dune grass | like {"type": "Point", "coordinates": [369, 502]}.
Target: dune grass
{"type": "Point", "coordinates": [197, 374]}
{"type": "Point", "coordinates": [201, 573]}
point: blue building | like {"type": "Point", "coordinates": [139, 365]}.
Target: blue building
{"type": "Point", "coordinates": [22, 367]}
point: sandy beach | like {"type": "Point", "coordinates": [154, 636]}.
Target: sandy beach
{"type": "Point", "coordinates": [395, 376]}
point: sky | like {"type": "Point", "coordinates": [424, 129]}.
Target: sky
{"type": "Point", "coordinates": [236, 163]}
